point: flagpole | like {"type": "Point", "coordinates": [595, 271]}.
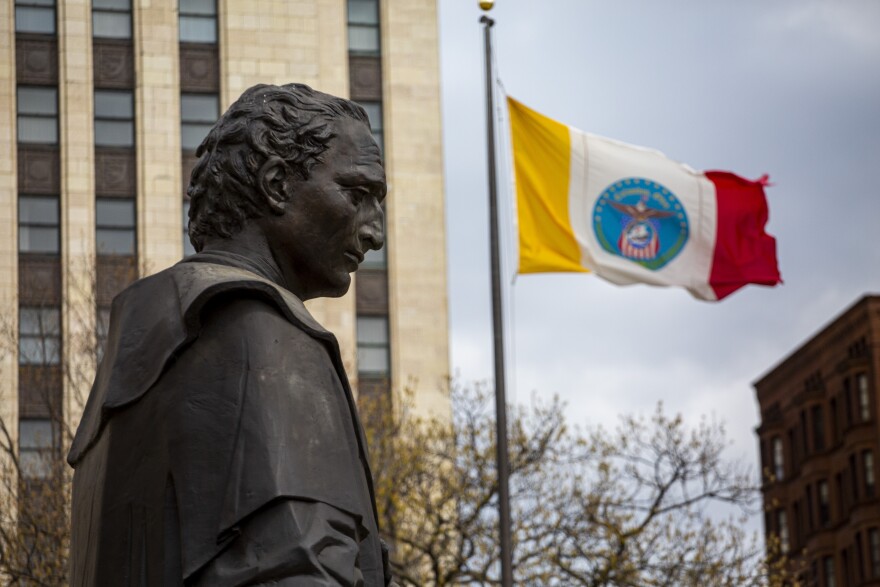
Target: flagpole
{"type": "Point", "coordinates": [497, 323]}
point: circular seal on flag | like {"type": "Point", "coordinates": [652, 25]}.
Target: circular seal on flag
{"type": "Point", "coordinates": [640, 220]}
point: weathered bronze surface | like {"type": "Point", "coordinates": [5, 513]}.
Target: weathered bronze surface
{"type": "Point", "coordinates": [221, 444]}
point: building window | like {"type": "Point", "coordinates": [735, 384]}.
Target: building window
{"type": "Point", "coordinates": [111, 19]}
{"type": "Point", "coordinates": [824, 502]}
{"type": "Point", "coordinates": [188, 248]}
{"type": "Point", "coordinates": [782, 528]}
{"type": "Point", "coordinates": [114, 118]}
{"type": "Point", "coordinates": [818, 429]}
{"type": "Point", "coordinates": [810, 523]}
{"type": "Point", "coordinates": [860, 557]}
{"type": "Point", "coordinates": [828, 571]}
{"type": "Point", "coordinates": [874, 542]}
{"type": "Point", "coordinates": [854, 477]}
{"type": "Point", "coordinates": [372, 346]}
{"type": "Point", "coordinates": [39, 336]}
{"type": "Point", "coordinates": [778, 459]}
{"type": "Point", "coordinates": [847, 399]}
{"type": "Point", "coordinates": [198, 21]}
{"type": "Point", "coordinates": [102, 329]}
{"type": "Point", "coordinates": [864, 397]}
{"type": "Point", "coordinates": [37, 115]}
{"type": "Point", "coordinates": [198, 113]}
{"type": "Point", "coordinates": [868, 462]}
{"type": "Point", "coordinates": [834, 421]}
{"type": "Point", "coordinates": [35, 16]}
{"type": "Point", "coordinates": [363, 26]}
{"type": "Point", "coordinates": [38, 225]}
{"type": "Point", "coordinates": [35, 446]}
{"type": "Point", "coordinates": [115, 226]}
{"type": "Point", "coordinates": [374, 112]}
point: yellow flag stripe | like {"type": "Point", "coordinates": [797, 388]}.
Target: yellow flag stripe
{"type": "Point", "coordinates": [541, 160]}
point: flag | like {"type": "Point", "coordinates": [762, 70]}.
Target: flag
{"type": "Point", "coordinates": [632, 215]}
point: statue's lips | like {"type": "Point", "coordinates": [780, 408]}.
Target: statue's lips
{"type": "Point", "coordinates": [354, 256]}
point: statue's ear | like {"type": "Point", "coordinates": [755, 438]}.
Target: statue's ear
{"type": "Point", "coordinates": [272, 184]}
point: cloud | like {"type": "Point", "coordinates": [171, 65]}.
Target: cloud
{"type": "Point", "coordinates": [851, 24]}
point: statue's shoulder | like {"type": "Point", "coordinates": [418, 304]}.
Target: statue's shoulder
{"type": "Point", "coordinates": [182, 291]}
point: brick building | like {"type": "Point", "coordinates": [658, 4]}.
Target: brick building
{"type": "Point", "coordinates": [102, 104]}
{"type": "Point", "coordinates": [819, 439]}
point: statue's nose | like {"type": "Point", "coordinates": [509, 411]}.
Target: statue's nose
{"type": "Point", "coordinates": [372, 231]}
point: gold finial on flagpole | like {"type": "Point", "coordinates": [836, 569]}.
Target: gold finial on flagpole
{"type": "Point", "coordinates": [487, 4]}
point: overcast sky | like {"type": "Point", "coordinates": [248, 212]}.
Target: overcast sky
{"type": "Point", "coordinates": [789, 88]}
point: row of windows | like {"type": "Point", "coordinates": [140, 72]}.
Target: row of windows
{"type": "Point", "coordinates": [39, 334]}
{"type": "Point", "coordinates": [826, 566]}
{"type": "Point", "coordinates": [38, 116]}
{"type": "Point", "coordinates": [814, 510]}
{"type": "Point", "coordinates": [39, 231]}
{"type": "Point", "coordinates": [812, 433]}
{"type": "Point", "coordinates": [112, 19]}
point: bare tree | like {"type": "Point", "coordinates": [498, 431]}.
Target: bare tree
{"type": "Point", "coordinates": [55, 371]}
{"type": "Point", "coordinates": [636, 506]}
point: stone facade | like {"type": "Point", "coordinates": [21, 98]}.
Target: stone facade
{"type": "Point", "coordinates": [258, 41]}
{"type": "Point", "coordinates": [77, 195]}
{"type": "Point", "coordinates": [8, 217]}
{"type": "Point", "coordinates": [416, 209]}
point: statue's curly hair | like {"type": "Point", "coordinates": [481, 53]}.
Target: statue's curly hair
{"type": "Point", "coordinates": [293, 122]}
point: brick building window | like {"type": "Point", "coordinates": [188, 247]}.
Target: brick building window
{"type": "Point", "coordinates": [372, 346]}
{"type": "Point", "coordinates": [874, 545]}
{"type": "Point", "coordinates": [198, 113]}
{"type": "Point", "coordinates": [36, 442]}
{"type": "Point", "coordinates": [363, 27]}
{"type": "Point", "coordinates": [114, 118]}
{"type": "Point", "coordinates": [834, 420]}
{"type": "Point", "coordinates": [778, 458]}
{"type": "Point", "coordinates": [35, 16]}
{"type": "Point", "coordinates": [824, 502]}
{"type": "Point", "coordinates": [115, 226]}
{"type": "Point", "coordinates": [38, 230]}
{"type": "Point", "coordinates": [198, 21]}
{"type": "Point", "coordinates": [810, 522]}
{"type": "Point", "coordinates": [111, 19]}
{"type": "Point", "coordinates": [854, 477]}
{"type": "Point", "coordinates": [37, 115]}
{"type": "Point", "coordinates": [860, 557]}
{"type": "Point", "coordinates": [818, 428]}
{"type": "Point", "coordinates": [864, 397]}
{"type": "Point", "coordinates": [868, 463]}
{"type": "Point", "coordinates": [39, 336]}
{"type": "Point", "coordinates": [828, 571]}
{"type": "Point", "coordinates": [782, 529]}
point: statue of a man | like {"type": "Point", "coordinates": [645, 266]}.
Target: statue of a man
{"type": "Point", "coordinates": [221, 445]}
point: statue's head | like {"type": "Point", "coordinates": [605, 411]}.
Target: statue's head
{"type": "Point", "coordinates": [302, 167]}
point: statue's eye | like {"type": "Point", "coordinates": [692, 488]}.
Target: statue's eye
{"type": "Point", "coordinates": [358, 192]}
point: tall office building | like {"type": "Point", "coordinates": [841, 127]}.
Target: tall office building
{"type": "Point", "coordinates": [820, 438]}
{"type": "Point", "coordinates": [102, 105]}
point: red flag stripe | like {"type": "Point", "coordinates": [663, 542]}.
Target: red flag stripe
{"type": "Point", "coordinates": [744, 252]}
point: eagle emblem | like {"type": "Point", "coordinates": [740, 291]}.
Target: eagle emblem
{"type": "Point", "coordinates": [640, 220]}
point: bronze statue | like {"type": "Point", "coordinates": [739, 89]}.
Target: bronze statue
{"type": "Point", "coordinates": [220, 444]}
